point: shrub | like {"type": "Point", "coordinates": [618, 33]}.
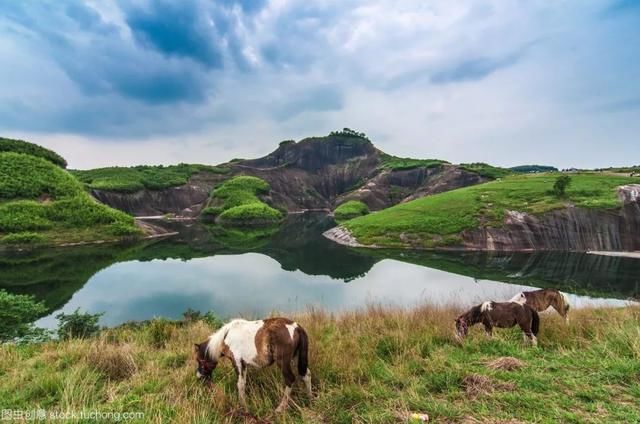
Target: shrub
{"type": "Point", "coordinates": [560, 186]}
{"type": "Point", "coordinates": [22, 216]}
{"type": "Point", "coordinates": [17, 313]}
{"type": "Point", "coordinates": [78, 325]}
{"type": "Point", "coordinates": [158, 331]}
{"type": "Point", "coordinates": [21, 146]}
{"type": "Point", "coordinates": [351, 209]}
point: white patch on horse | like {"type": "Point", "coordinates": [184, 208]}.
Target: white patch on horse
{"type": "Point", "coordinates": [241, 339]}
{"type": "Point", "coordinates": [292, 328]}
{"type": "Point", "coordinates": [486, 306]}
{"type": "Point", "coordinates": [519, 298]}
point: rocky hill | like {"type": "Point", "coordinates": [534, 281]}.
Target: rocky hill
{"type": "Point", "coordinates": [314, 173]}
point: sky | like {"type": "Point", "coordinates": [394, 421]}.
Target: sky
{"type": "Point", "coordinates": [508, 82]}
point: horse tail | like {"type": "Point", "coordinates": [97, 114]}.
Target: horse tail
{"type": "Point", "coordinates": [535, 322]}
{"type": "Point", "coordinates": [303, 352]}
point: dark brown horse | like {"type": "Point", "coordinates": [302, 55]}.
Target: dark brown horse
{"type": "Point", "coordinates": [501, 315]}
{"type": "Point", "coordinates": [540, 300]}
{"type": "Point", "coordinates": [257, 344]}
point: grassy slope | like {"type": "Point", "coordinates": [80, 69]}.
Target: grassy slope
{"type": "Point", "coordinates": [128, 180]}
{"type": "Point", "coordinates": [21, 146]}
{"type": "Point", "coordinates": [236, 202]}
{"type": "Point", "coordinates": [368, 366]}
{"type": "Point", "coordinates": [438, 219]}
{"type": "Point", "coordinates": [41, 202]}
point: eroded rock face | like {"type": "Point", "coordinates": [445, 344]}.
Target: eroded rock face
{"type": "Point", "coordinates": [569, 229]}
{"type": "Point", "coordinates": [186, 200]}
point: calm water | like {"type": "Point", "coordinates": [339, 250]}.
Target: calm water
{"type": "Point", "coordinates": [290, 269]}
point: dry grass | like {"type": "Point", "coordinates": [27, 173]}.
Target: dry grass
{"type": "Point", "coordinates": [368, 366]}
{"type": "Point", "coordinates": [505, 363]}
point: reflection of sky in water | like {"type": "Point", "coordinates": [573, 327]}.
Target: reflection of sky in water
{"type": "Point", "coordinates": [254, 285]}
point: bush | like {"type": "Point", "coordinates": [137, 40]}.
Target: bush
{"type": "Point", "coordinates": [191, 315]}
{"type": "Point", "coordinates": [560, 186]}
{"type": "Point", "coordinates": [351, 209]}
{"type": "Point", "coordinates": [158, 331]}
{"type": "Point", "coordinates": [114, 361]}
{"type": "Point", "coordinates": [78, 325]}
{"type": "Point", "coordinates": [17, 313]}
{"type": "Point", "coordinates": [21, 146]}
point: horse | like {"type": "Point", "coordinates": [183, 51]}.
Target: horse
{"type": "Point", "coordinates": [540, 300]}
{"type": "Point", "coordinates": [501, 315]}
{"type": "Point", "coordinates": [257, 344]}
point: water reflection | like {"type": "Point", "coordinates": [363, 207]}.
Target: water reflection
{"type": "Point", "coordinates": [289, 269]}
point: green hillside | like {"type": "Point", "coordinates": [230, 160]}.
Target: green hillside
{"type": "Point", "coordinates": [236, 202]}
{"type": "Point", "coordinates": [21, 146]}
{"type": "Point", "coordinates": [42, 203]}
{"type": "Point", "coordinates": [132, 179]}
{"type": "Point", "coordinates": [437, 220]}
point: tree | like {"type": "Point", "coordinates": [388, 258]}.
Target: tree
{"type": "Point", "coordinates": [561, 185]}
{"type": "Point", "coordinates": [17, 314]}
{"type": "Point", "coordinates": [78, 325]}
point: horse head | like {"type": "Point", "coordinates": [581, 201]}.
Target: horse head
{"type": "Point", "coordinates": [206, 365]}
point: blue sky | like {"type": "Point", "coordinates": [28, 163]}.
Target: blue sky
{"type": "Point", "coordinates": [508, 82]}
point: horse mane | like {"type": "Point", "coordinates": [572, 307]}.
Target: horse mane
{"type": "Point", "coordinates": [214, 345]}
{"type": "Point", "coordinates": [472, 316]}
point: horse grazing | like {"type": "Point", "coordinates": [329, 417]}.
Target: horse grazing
{"type": "Point", "coordinates": [501, 315]}
{"type": "Point", "coordinates": [540, 300]}
{"type": "Point", "coordinates": [257, 344]}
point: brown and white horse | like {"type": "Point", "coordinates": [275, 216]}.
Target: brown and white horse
{"type": "Point", "coordinates": [501, 315]}
{"type": "Point", "coordinates": [540, 300]}
{"type": "Point", "coordinates": [257, 344]}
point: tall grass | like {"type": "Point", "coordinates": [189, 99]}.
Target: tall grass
{"type": "Point", "coordinates": [373, 365]}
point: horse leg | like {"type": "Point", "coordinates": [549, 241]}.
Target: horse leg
{"type": "Point", "coordinates": [307, 383]}
{"type": "Point", "coordinates": [488, 328]}
{"type": "Point", "coordinates": [242, 379]}
{"type": "Point", "coordinates": [527, 334]}
{"type": "Point", "coordinates": [284, 362]}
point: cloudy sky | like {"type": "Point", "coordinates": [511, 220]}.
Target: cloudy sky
{"type": "Point", "coordinates": [108, 82]}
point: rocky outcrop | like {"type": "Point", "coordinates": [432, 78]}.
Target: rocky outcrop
{"type": "Point", "coordinates": [312, 174]}
{"type": "Point", "coordinates": [321, 173]}
{"type": "Point", "coordinates": [185, 200]}
{"type": "Point", "coordinates": [569, 229]}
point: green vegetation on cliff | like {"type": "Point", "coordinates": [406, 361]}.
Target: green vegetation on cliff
{"type": "Point", "coordinates": [437, 220]}
{"type": "Point", "coordinates": [486, 170]}
{"type": "Point", "coordinates": [350, 209]}
{"type": "Point", "coordinates": [395, 163]}
{"type": "Point", "coordinates": [373, 366]}
{"type": "Point", "coordinates": [132, 179]}
{"type": "Point", "coordinates": [21, 146]}
{"type": "Point", "coordinates": [42, 203]}
{"type": "Point", "coordinates": [236, 201]}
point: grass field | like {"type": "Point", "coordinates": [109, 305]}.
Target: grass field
{"type": "Point", "coordinates": [129, 180]}
{"type": "Point", "coordinates": [371, 366]}
{"type": "Point", "coordinates": [438, 219]}
{"type": "Point", "coordinates": [236, 201]}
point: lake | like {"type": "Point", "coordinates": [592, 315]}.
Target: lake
{"type": "Point", "coordinates": [291, 268]}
